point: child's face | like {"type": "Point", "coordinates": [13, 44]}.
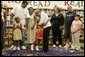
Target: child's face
{"type": "Point", "coordinates": [76, 18]}
{"type": "Point", "coordinates": [17, 20]}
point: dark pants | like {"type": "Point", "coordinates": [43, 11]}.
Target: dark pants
{"type": "Point", "coordinates": [3, 27]}
{"type": "Point", "coordinates": [46, 32]}
{"type": "Point", "coordinates": [67, 34]}
{"type": "Point", "coordinates": [56, 35]}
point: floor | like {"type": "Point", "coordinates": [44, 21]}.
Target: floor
{"type": "Point", "coordinates": [52, 52]}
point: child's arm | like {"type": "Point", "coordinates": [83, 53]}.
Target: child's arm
{"type": "Point", "coordinates": [79, 27]}
{"type": "Point", "coordinates": [20, 27]}
{"type": "Point", "coordinates": [14, 26]}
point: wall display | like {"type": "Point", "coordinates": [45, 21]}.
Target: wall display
{"type": "Point", "coordinates": [47, 4]}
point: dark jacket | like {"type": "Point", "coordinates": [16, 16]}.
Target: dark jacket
{"type": "Point", "coordinates": [69, 19]}
{"type": "Point", "coordinates": [57, 20]}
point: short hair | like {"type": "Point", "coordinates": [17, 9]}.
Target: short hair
{"type": "Point", "coordinates": [16, 18]}
{"type": "Point", "coordinates": [77, 15]}
{"type": "Point", "coordinates": [30, 8]}
{"type": "Point", "coordinates": [23, 2]}
{"type": "Point", "coordinates": [37, 12]}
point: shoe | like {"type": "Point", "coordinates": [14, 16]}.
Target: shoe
{"type": "Point", "coordinates": [77, 49]}
{"type": "Point", "coordinates": [32, 47]}
{"type": "Point", "coordinates": [60, 46]}
{"type": "Point", "coordinates": [14, 48]}
{"type": "Point", "coordinates": [72, 51]}
{"type": "Point", "coordinates": [66, 46]}
{"type": "Point", "coordinates": [18, 48]}
{"type": "Point", "coordinates": [37, 48]}
{"type": "Point", "coordinates": [54, 46]}
{"type": "Point", "coordinates": [23, 47]}
{"type": "Point", "coordinates": [11, 47]}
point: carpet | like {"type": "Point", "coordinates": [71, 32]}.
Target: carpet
{"type": "Point", "coordinates": [51, 52]}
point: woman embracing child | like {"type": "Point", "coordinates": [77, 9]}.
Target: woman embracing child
{"type": "Point", "coordinates": [39, 31]}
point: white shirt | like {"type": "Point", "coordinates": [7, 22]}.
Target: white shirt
{"type": "Point", "coordinates": [56, 15]}
{"type": "Point", "coordinates": [44, 19]}
{"type": "Point", "coordinates": [2, 13]}
{"type": "Point", "coordinates": [22, 13]}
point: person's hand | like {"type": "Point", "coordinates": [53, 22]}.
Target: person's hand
{"type": "Point", "coordinates": [32, 27]}
{"type": "Point", "coordinates": [61, 27]}
{"type": "Point", "coordinates": [25, 25]}
{"type": "Point", "coordinates": [18, 27]}
{"type": "Point", "coordinates": [72, 31]}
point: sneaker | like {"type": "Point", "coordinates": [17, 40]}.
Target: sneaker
{"type": "Point", "coordinates": [54, 46]}
{"type": "Point", "coordinates": [37, 48]}
{"type": "Point", "coordinates": [32, 47]}
{"type": "Point", "coordinates": [23, 47]}
{"type": "Point", "coordinates": [18, 48]}
{"type": "Point", "coordinates": [11, 47]}
{"type": "Point", "coordinates": [77, 49]}
{"type": "Point", "coordinates": [60, 46]}
{"type": "Point", "coordinates": [66, 46]}
{"type": "Point", "coordinates": [72, 51]}
{"type": "Point", "coordinates": [14, 48]}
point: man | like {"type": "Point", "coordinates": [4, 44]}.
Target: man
{"type": "Point", "coordinates": [69, 18]}
{"type": "Point", "coordinates": [22, 12]}
{"type": "Point", "coordinates": [46, 22]}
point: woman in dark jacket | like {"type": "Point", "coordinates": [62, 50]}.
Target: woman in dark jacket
{"type": "Point", "coordinates": [57, 21]}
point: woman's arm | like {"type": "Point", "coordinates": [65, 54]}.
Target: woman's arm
{"type": "Point", "coordinates": [51, 20]}
{"type": "Point", "coordinates": [35, 22]}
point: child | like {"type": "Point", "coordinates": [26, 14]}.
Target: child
{"type": "Point", "coordinates": [17, 36]}
{"type": "Point", "coordinates": [39, 36]}
{"type": "Point", "coordinates": [75, 31]}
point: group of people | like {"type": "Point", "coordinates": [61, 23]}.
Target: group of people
{"type": "Point", "coordinates": [28, 19]}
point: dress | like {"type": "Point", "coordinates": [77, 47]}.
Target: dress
{"type": "Point", "coordinates": [30, 32]}
{"type": "Point", "coordinates": [17, 35]}
{"type": "Point", "coordinates": [39, 32]}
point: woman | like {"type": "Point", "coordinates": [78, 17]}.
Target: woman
{"type": "Point", "coordinates": [68, 21]}
{"type": "Point", "coordinates": [57, 21]}
{"type": "Point", "coordinates": [31, 28]}
{"type": "Point", "coordinates": [44, 20]}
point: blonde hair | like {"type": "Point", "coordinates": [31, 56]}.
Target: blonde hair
{"type": "Point", "coordinates": [69, 6]}
{"type": "Point", "coordinates": [37, 12]}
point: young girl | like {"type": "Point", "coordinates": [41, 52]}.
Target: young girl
{"type": "Point", "coordinates": [75, 31]}
{"type": "Point", "coordinates": [17, 36]}
{"type": "Point", "coordinates": [39, 36]}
